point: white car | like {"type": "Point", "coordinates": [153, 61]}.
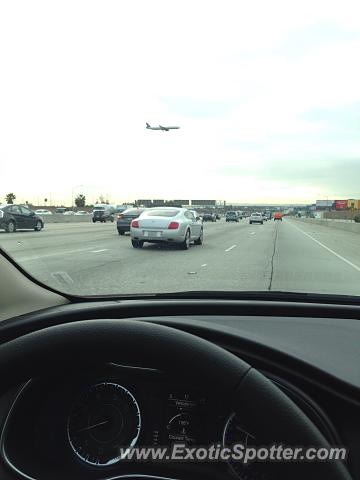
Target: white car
{"type": "Point", "coordinates": [69, 212]}
{"type": "Point", "coordinates": [166, 225]}
{"type": "Point", "coordinates": [256, 218]}
{"type": "Point", "coordinates": [42, 211]}
{"type": "Point", "coordinates": [81, 212]}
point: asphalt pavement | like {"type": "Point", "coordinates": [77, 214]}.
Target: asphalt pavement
{"type": "Point", "coordinates": [92, 259]}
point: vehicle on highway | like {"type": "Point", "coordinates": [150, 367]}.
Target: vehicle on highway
{"type": "Point", "coordinates": [69, 212]}
{"type": "Point", "coordinates": [256, 217]}
{"type": "Point", "coordinates": [42, 211]}
{"type": "Point", "coordinates": [218, 216]}
{"type": "Point", "coordinates": [209, 217]}
{"type": "Point", "coordinates": [81, 212]}
{"type": "Point", "coordinates": [167, 225]}
{"type": "Point", "coordinates": [268, 215]}
{"type": "Point", "coordinates": [265, 218]}
{"type": "Point", "coordinates": [122, 208]}
{"type": "Point", "coordinates": [18, 217]}
{"type": "Point", "coordinates": [103, 213]}
{"type": "Point", "coordinates": [125, 218]}
{"type": "Point", "coordinates": [278, 216]}
{"type": "Point", "coordinates": [60, 209]}
{"type": "Point", "coordinates": [231, 216]}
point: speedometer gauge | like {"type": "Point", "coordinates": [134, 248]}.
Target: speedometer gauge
{"type": "Point", "coordinates": [233, 434]}
{"type": "Point", "coordinates": [104, 420]}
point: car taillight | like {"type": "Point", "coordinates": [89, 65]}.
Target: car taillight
{"type": "Point", "coordinates": [135, 224]}
{"type": "Point", "coordinates": [173, 226]}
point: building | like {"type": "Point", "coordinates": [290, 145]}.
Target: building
{"type": "Point", "coordinates": [203, 203]}
{"type": "Point", "coordinates": [324, 204]}
{"type": "Point", "coordinates": [353, 204]}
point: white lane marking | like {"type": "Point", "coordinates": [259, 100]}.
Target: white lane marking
{"type": "Point", "coordinates": [230, 248]}
{"type": "Point", "coordinates": [101, 250]}
{"type": "Point", "coordinates": [356, 267]}
{"type": "Point", "coordinates": [40, 257]}
{"type": "Point", "coordinates": [204, 265]}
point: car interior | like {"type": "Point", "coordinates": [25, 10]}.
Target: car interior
{"type": "Point", "coordinates": [154, 325]}
{"type": "Point", "coordinates": [199, 369]}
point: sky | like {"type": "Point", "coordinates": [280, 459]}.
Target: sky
{"type": "Point", "coordinates": [267, 95]}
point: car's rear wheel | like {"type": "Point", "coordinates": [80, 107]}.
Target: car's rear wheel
{"type": "Point", "coordinates": [38, 227]}
{"type": "Point", "coordinates": [185, 245]}
{"type": "Point", "coordinates": [250, 223]}
{"type": "Point", "coordinates": [137, 243]}
{"type": "Point", "coordinates": [94, 221]}
{"type": "Point", "coordinates": [10, 227]}
{"type": "Point", "coordinates": [121, 232]}
{"type": "Point", "coordinates": [200, 240]}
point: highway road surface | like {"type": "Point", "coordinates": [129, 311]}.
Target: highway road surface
{"type": "Point", "coordinates": [92, 259]}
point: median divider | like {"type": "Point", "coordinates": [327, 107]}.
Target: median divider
{"type": "Point", "coordinates": [345, 226]}
{"type": "Point", "coordinates": [60, 218]}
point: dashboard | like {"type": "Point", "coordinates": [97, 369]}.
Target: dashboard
{"type": "Point", "coordinates": [67, 425]}
{"type": "Point", "coordinates": [74, 425]}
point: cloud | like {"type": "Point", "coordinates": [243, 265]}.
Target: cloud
{"type": "Point", "coordinates": [263, 92]}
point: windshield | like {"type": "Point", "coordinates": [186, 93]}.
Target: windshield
{"type": "Point", "coordinates": [224, 108]}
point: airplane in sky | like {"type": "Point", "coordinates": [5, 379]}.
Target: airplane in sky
{"type": "Point", "coordinates": [160, 127]}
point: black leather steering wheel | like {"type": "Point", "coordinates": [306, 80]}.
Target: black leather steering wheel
{"type": "Point", "coordinates": [266, 411]}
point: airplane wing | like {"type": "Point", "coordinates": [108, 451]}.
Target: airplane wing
{"type": "Point", "coordinates": [164, 128]}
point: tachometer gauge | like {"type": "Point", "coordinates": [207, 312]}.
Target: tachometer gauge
{"type": "Point", "coordinates": [105, 419]}
{"type": "Point", "coordinates": [233, 434]}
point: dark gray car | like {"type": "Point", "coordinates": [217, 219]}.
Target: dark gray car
{"type": "Point", "coordinates": [124, 219]}
{"type": "Point", "coordinates": [19, 217]}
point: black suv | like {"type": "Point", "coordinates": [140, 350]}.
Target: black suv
{"type": "Point", "coordinates": [13, 217]}
{"type": "Point", "coordinates": [209, 217]}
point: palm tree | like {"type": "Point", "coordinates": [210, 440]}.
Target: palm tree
{"type": "Point", "coordinates": [10, 197]}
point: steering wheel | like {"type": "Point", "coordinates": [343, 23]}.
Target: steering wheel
{"type": "Point", "coordinates": [266, 411]}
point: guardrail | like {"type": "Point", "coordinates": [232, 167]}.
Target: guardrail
{"type": "Point", "coordinates": [347, 226]}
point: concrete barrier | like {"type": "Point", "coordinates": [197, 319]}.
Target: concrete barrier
{"type": "Point", "coordinates": [347, 226]}
{"type": "Point", "coordinates": [60, 218]}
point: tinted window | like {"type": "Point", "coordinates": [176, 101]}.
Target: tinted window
{"type": "Point", "coordinates": [25, 211]}
{"type": "Point", "coordinates": [132, 211]}
{"type": "Point", "coordinates": [162, 213]}
{"type": "Point", "coordinates": [15, 209]}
